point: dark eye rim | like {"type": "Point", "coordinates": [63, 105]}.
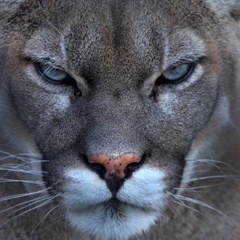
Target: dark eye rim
{"type": "Point", "coordinates": [68, 80]}
{"type": "Point", "coordinates": [162, 80]}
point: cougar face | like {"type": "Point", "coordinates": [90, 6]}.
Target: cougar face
{"type": "Point", "coordinates": [120, 99]}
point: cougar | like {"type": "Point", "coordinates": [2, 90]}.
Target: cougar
{"type": "Point", "coordinates": [120, 119]}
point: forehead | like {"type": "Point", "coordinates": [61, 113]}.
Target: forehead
{"type": "Point", "coordinates": [118, 20]}
{"type": "Point", "coordinates": [123, 19]}
{"type": "Point", "coordinates": [104, 32]}
{"type": "Point", "coordinates": [120, 12]}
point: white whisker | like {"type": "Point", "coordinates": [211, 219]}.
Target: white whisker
{"type": "Point", "coordinates": [20, 168]}
{"type": "Point", "coordinates": [190, 209]}
{"type": "Point", "coordinates": [22, 195]}
{"type": "Point", "coordinates": [37, 200]}
{"type": "Point", "coordinates": [197, 188]}
{"type": "Point", "coordinates": [227, 177]}
{"type": "Point", "coordinates": [200, 203]}
{"type": "Point", "coordinates": [22, 204]}
{"type": "Point", "coordinates": [5, 180]}
{"type": "Point", "coordinates": [29, 210]}
{"type": "Point", "coordinates": [46, 215]}
{"type": "Point", "coordinates": [52, 26]}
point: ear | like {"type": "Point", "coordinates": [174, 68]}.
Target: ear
{"type": "Point", "coordinates": [226, 7]}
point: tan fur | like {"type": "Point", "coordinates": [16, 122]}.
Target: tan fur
{"type": "Point", "coordinates": [116, 51]}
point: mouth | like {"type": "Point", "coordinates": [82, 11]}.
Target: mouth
{"type": "Point", "coordinates": [115, 209]}
{"type": "Point", "coordinates": [94, 206]}
{"type": "Point", "coordinates": [112, 210]}
{"type": "Point", "coordinates": [85, 191]}
{"type": "Point", "coordinates": [115, 203]}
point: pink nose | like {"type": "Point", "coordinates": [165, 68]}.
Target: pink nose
{"type": "Point", "coordinates": [115, 166]}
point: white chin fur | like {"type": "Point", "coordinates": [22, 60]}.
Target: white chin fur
{"type": "Point", "coordinates": [90, 210]}
{"type": "Point", "coordinates": [105, 224]}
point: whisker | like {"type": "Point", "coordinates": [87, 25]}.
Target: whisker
{"type": "Point", "coordinates": [20, 168]}
{"type": "Point", "coordinates": [16, 165]}
{"type": "Point", "coordinates": [51, 25]}
{"type": "Point", "coordinates": [212, 162]}
{"type": "Point", "coordinates": [46, 215]}
{"type": "Point", "coordinates": [194, 189]}
{"type": "Point", "coordinates": [27, 211]}
{"type": "Point", "coordinates": [5, 180]}
{"type": "Point", "coordinates": [200, 203]}
{"type": "Point", "coordinates": [228, 177]}
{"type": "Point", "coordinates": [21, 204]}
{"type": "Point", "coordinates": [38, 200]}
{"type": "Point", "coordinates": [24, 157]}
{"type": "Point", "coordinates": [22, 195]}
{"type": "Point", "coordinates": [23, 168]}
{"type": "Point", "coordinates": [20, 154]}
{"type": "Point", "coordinates": [29, 172]}
{"type": "Point", "coordinates": [59, 219]}
{"type": "Point", "coordinates": [27, 160]}
{"type": "Point", "coordinates": [190, 209]}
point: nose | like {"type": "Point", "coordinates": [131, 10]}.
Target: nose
{"type": "Point", "coordinates": [115, 166]}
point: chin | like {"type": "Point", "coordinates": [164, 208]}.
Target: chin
{"type": "Point", "coordinates": [92, 209]}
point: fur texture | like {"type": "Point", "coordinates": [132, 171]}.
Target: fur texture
{"type": "Point", "coordinates": [86, 78]}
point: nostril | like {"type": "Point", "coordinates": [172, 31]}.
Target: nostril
{"type": "Point", "coordinates": [135, 166]}
{"type": "Point", "coordinates": [118, 167]}
{"type": "Point", "coordinates": [96, 167]}
{"type": "Point", "coordinates": [132, 168]}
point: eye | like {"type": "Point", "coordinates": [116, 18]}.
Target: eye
{"type": "Point", "coordinates": [52, 74]}
{"type": "Point", "coordinates": [177, 74]}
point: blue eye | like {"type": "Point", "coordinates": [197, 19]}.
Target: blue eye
{"type": "Point", "coordinates": [177, 74]}
{"type": "Point", "coordinates": [52, 74]}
